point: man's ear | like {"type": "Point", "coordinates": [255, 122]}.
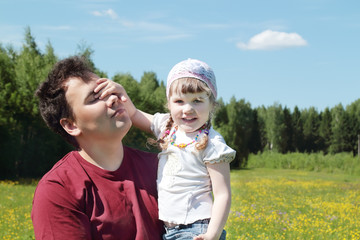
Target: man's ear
{"type": "Point", "coordinates": [70, 127]}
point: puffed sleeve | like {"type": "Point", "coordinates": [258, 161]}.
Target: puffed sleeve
{"type": "Point", "coordinates": [217, 150]}
{"type": "Point", "coordinates": [159, 123]}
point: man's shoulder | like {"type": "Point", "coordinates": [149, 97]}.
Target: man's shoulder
{"type": "Point", "coordinates": [64, 167]}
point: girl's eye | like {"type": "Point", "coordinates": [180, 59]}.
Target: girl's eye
{"type": "Point", "coordinates": [197, 100]}
{"type": "Point", "coordinates": [178, 101]}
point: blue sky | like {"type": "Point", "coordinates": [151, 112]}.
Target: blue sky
{"type": "Point", "coordinates": [301, 53]}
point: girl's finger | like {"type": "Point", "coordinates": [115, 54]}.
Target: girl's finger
{"type": "Point", "coordinates": [101, 80]}
{"type": "Point", "coordinates": [107, 91]}
{"type": "Point", "coordinates": [123, 98]}
{"type": "Point", "coordinates": [100, 86]}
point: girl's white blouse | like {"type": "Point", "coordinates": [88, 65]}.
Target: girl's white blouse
{"type": "Point", "coordinates": [184, 186]}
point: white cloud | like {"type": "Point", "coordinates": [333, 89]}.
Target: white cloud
{"type": "Point", "coordinates": [110, 13]}
{"type": "Point", "coordinates": [270, 40]}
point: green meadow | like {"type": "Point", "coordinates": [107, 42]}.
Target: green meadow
{"type": "Point", "coordinates": [15, 208]}
{"type": "Point", "coordinates": [266, 204]}
{"type": "Point", "coordinates": [294, 204]}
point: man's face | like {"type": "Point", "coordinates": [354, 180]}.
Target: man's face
{"type": "Point", "coordinates": [96, 119]}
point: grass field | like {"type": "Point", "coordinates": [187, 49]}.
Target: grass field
{"type": "Point", "coordinates": [290, 204]}
{"type": "Point", "coordinates": [15, 208]}
{"type": "Point", "coordinates": [267, 204]}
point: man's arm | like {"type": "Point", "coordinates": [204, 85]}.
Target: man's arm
{"type": "Point", "coordinates": [56, 216]}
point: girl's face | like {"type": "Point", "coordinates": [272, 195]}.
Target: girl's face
{"type": "Point", "coordinates": [190, 111]}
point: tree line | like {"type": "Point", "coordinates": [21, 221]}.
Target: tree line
{"type": "Point", "coordinates": [29, 149]}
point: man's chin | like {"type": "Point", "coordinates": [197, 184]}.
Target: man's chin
{"type": "Point", "coordinates": [124, 125]}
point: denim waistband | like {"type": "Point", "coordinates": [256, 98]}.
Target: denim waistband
{"type": "Point", "coordinates": [190, 225]}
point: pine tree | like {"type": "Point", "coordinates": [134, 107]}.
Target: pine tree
{"type": "Point", "coordinates": [237, 132]}
{"type": "Point", "coordinates": [287, 133]}
{"type": "Point", "coordinates": [340, 126]}
{"type": "Point", "coordinates": [325, 130]}
{"type": "Point", "coordinates": [298, 136]}
{"type": "Point", "coordinates": [311, 122]}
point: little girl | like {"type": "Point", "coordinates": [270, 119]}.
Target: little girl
{"type": "Point", "coordinates": [194, 161]}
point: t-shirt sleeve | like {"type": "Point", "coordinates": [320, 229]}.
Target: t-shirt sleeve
{"type": "Point", "coordinates": [56, 216]}
{"type": "Point", "coordinates": [159, 124]}
{"type": "Point", "coordinates": [217, 150]}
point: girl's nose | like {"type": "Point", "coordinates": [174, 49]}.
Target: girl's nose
{"type": "Point", "coordinates": [188, 108]}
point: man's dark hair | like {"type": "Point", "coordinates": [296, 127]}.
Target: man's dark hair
{"type": "Point", "coordinates": [53, 105]}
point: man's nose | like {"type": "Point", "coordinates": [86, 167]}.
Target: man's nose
{"type": "Point", "coordinates": [112, 100]}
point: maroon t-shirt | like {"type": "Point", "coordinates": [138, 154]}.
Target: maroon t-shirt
{"type": "Point", "coordinates": [77, 200]}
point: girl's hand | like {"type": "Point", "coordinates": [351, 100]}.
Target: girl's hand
{"type": "Point", "coordinates": [140, 119]}
{"type": "Point", "coordinates": [200, 237]}
{"type": "Point", "coordinates": [107, 87]}
{"type": "Point", "coordinates": [205, 237]}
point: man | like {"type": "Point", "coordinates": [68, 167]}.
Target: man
{"type": "Point", "coordinates": [103, 190]}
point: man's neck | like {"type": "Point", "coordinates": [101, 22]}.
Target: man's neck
{"type": "Point", "coordinates": [106, 156]}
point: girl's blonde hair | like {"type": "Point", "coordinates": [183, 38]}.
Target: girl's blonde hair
{"type": "Point", "coordinates": [183, 86]}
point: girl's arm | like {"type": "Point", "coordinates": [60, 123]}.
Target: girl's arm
{"type": "Point", "coordinates": [220, 179]}
{"type": "Point", "coordinates": [140, 119]}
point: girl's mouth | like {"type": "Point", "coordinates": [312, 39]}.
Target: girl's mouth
{"type": "Point", "coordinates": [189, 120]}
